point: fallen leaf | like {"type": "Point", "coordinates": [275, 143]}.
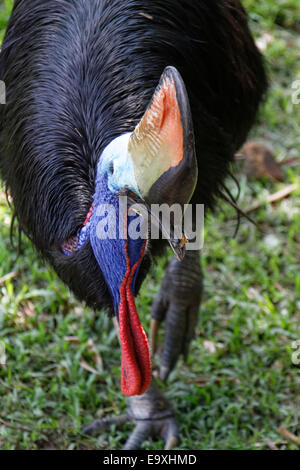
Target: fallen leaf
{"type": "Point", "coordinates": [260, 162]}
{"type": "Point", "coordinates": [95, 354]}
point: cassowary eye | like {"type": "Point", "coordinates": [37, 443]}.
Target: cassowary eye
{"type": "Point", "coordinates": [111, 168]}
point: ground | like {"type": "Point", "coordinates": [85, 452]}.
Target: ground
{"type": "Point", "coordinates": [240, 384]}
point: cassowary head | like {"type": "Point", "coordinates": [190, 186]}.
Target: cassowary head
{"type": "Point", "coordinates": [155, 164]}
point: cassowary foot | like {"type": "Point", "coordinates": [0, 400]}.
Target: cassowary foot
{"type": "Point", "coordinates": [152, 415]}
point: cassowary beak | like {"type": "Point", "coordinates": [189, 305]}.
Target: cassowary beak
{"type": "Point", "coordinates": [162, 151]}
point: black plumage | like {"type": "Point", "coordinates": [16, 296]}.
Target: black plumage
{"type": "Point", "coordinates": [79, 73]}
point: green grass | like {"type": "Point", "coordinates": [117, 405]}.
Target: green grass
{"type": "Point", "coordinates": [5, 9]}
{"type": "Point", "coordinates": [235, 398]}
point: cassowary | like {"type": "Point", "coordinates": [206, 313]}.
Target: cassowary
{"type": "Point", "coordinates": [108, 98]}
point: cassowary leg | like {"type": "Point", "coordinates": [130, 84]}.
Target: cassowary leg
{"type": "Point", "coordinates": [152, 415]}
{"type": "Point", "coordinates": [178, 304]}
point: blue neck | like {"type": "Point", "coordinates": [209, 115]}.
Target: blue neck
{"type": "Point", "coordinates": [111, 253]}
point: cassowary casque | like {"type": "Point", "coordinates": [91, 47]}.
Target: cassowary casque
{"type": "Point", "coordinates": [147, 100]}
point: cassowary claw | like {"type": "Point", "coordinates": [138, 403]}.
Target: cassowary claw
{"type": "Point", "coordinates": [154, 327]}
{"type": "Point", "coordinates": [152, 415]}
{"type": "Point", "coordinates": [167, 429]}
{"type": "Point", "coordinates": [103, 424]}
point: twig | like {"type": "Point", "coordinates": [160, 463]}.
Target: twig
{"type": "Point", "coordinates": [8, 276]}
{"type": "Point", "coordinates": [293, 161]}
{"type": "Point", "coordinates": [90, 369]}
{"type": "Point", "coordinates": [289, 435]}
{"type": "Point", "coordinates": [14, 426]}
{"type": "Point", "coordinates": [274, 198]}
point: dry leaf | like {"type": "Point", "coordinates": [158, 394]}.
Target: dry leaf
{"type": "Point", "coordinates": [260, 162]}
{"type": "Point", "coordinates": [87, 367]}
{"type": "Point", "coordinates": [8, 277]}
{"type": "Point", "coordinates": [72, 339]}
{"type": "Point", "coordinates": [25, 313]}
{"type": "Point", "coordinates": [95, 354]}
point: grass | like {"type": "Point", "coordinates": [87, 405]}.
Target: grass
{"type": "Point", "coordinates": [235, 397]}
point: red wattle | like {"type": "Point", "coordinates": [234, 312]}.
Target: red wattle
{"type": "Point", "coordinates": [136, 363]}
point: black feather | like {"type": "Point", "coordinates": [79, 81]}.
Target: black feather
{"type": "Point", "coordinates": [81, 72]}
